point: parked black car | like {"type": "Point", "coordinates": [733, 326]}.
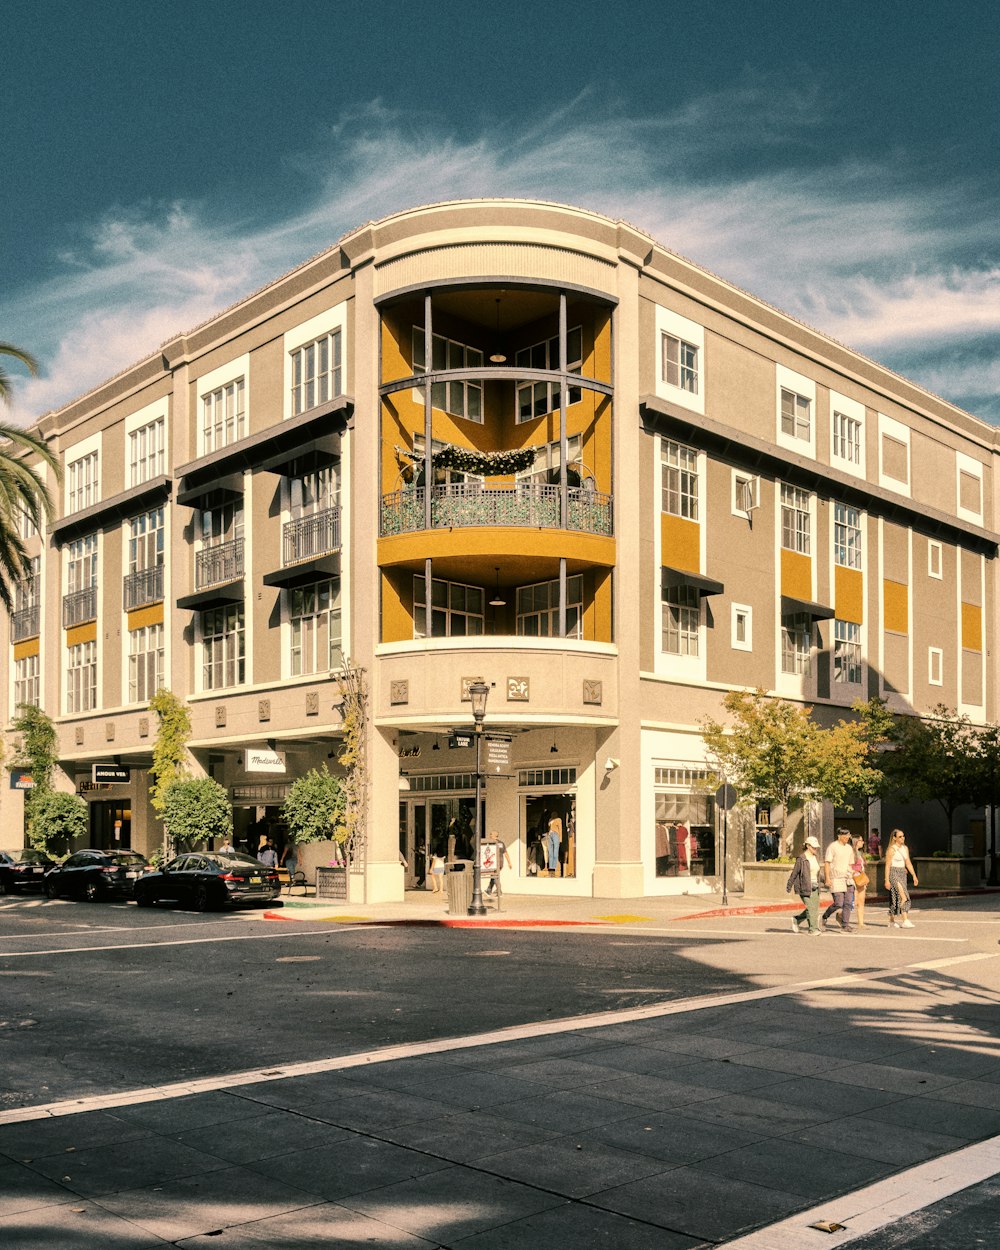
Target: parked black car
{"type": "Point", "coordinates": [23, 870]}
{"type": "Point", "coordinates": [204, 880]}
{"type": "Point", "coordinates": [96, 875]}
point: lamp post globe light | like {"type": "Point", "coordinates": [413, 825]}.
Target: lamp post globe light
{"type": "Point", "coordinates": [478, 692]}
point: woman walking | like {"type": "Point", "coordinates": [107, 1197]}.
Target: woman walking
{"type": "Point", "coordinates": [897, 865]}
{"type": "Point", "coordinates": [804, 880]}
{"type": "Point", "coordinates": [861, 881]}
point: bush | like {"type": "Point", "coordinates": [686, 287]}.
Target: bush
{"type": "Point", "coordinates": [53, 816]}
{"type": "Point", "coordinates": [314, 805]}
{"type": "Point", "coordinates": [195, 810]}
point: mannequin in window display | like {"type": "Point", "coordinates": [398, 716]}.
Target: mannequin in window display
{"type": "Point", "coordinates": [553, 843]}
{"type": "Point", "coordinates": [682, 843]}
{"type": "Point", "coordinates": [662, 848]}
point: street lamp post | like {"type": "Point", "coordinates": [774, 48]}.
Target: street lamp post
{"type": "Point", "coordinates": [478, 692]}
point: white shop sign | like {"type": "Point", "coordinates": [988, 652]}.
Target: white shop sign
{"type": "Point", "coordinates": [263, 760]}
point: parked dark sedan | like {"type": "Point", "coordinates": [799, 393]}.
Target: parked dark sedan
{"type": "Point", "coordinates": [23, 870]}
{"type": "Point", "coordinates": [204, 880]}
{"type": "Point", "coordinates": [96, 875]}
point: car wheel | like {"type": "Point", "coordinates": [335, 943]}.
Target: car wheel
{"type": "Point", "coordinates": [201, 900]}
{"type": "Point", "coordinates": [51, 890]}
{"type": "Point", "coordinates": [92, 892]}
{"type": "Point", "coordinates": [3, 885]}
{"type": "Point", "coordinates": [145, 899]}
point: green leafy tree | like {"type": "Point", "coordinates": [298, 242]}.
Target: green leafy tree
{"type": "Point", "coordinates": [314, 806]}
{"type": "Point", "coordinates": [55, 817]}
{"type": "Point", "coordinates": [351, 824]}
{"type": "Point", "coordinates": [170, 748]}
{"type": "Point", "coordinates": [38, 744]}
{"type": "Point", "coordinates": [196, 809]}
{"type": "Point", "coordinates": [877, 726]}
{"type": "Point", "coordinates": [934, 760]}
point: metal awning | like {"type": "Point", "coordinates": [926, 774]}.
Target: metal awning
{"type": "Point", "coordinates": [703, 585]}
{"type": "Point", "coordinates": [306, 571]}
{"type": "Point", "coordinates": [805, 607]}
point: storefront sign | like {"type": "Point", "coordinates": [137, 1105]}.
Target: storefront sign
{"type": "Point", "coordinates": [21, 779]}
{"type": "Point", "coordinates": [460, 741]}
{"type": "Point", "coordinates": [110, 774]}
{"type": "Point", "coordinates": [498, 754]}
{"type": "Point", "coordinates": [263, 760]}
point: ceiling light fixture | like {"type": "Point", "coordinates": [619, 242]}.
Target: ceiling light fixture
{"type": "Point", "coordinates": [553, 749]}
{"type": "Point", "coordinates": [498, 600]}
{"type": "Point", "coordinates": [498, 357]}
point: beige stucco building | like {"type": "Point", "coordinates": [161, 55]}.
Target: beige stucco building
{"type": "Point", "coordinates": [624, 488]}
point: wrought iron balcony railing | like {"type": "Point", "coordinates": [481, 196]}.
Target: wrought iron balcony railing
{"type": "Point", "coordinates": [528, 504]}
{"type": "Point", "coordinates": [215, 566]}
{"type": "Point", "coordinates": [142, 587]}
{"type": "Point", "coordinates": [25, 624]}
{"type": "Point", "coordinates": [311, 536]}
{"type": "Point", "coordinates": [79, 607]}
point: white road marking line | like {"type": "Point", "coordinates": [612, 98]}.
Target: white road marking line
{"type": "Point", "coordinates": [873, 1207]}
{"type": "Point", "coordinates": [873, 935]}
{"type": "Point", "coordinates": [410, 1050]}
{"type": "Point", "coordinates": [138, 946]}
{"type": "Point", "coordinates": [111, 928]}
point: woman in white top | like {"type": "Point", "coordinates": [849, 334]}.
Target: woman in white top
{"type": "Point", "coordinates": [897, 865]}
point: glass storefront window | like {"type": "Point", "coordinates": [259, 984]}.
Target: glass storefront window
{"type": "Point", "coordinates": [549, 835]}
{"type": "Point", "coordinates": [685, 834]}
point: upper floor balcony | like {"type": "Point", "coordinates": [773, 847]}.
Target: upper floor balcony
{"type": "Point", "coordinates": [25, 623]}
{"type": "Point", "coordinates": [143, 587]}
{"type": "Point", "coordinates": [219, 565]}
{"type": "Point", "coordinates": [534, 505]}
{"type": "Point", "coordinates": [310, 536]}
{"type": "Point", "coordinates": [79, 607]}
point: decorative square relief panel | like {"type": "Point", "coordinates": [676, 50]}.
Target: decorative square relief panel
{"type": "Point", "coordinates": [312, 703]}
{"type": "Point", "coordinates": [399, 692]}
{"type": "Point", "coordinates": [466, 683]}
{"type": "Point", "coordinates": [79, 736]}
{"type": "Point", "coordinates": [143, 726]}
{"type": "Point", "coordinates": [220, 717]}
{"type": "Point", "coordinates": [263, 709]}
{"type": "Point", "coordinates": [592, 692]}
{"type": "Point", "coordinates": [109, 731]}
{"type": "Point", "coordinates": [518, 690]}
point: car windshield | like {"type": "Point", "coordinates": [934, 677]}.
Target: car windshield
{"type": "Point", "coordinates": [34, 857]}
{"type": "Point", "coordinates": [234, 858]}
{"type": "Point", "coordinates": [129, 859]}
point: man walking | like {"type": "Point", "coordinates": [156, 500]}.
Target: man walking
{"type": "Point", "coordinates": [838, 868]}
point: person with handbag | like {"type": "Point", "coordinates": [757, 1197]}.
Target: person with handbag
{"type": "Point", "coordinates": [804, 880]}
{"type": "Point", "coordinates": [897, 865]}
{"type": "Point", "coordinates": [861, 878]}
{"type": "Point", "coordinates": [839, 869]}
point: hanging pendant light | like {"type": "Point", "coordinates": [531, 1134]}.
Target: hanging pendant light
{"type": "Point", "coordinates": [498, 357]}
{"type": "Point", "coordinates": [498, 601]}
{"type": "Point", "coordinates": [553, 749]}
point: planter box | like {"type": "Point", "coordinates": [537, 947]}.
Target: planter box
{"type": "Point", "coordinates": [331, 884]}
{"type": "Point", "coordinates": [768, 881]}
{"type": "Point", "coordinates": [939, 873]}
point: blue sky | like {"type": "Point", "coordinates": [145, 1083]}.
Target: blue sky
{"type": "Point", "coordinates": [839, 160]}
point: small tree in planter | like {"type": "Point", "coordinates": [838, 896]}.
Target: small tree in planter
{"type": "Point", "coordinates": [314, 808]}
{"type": "Point", "coordinates": [195, 810]}
{"type": "Point", "coordinates": [55, 817]}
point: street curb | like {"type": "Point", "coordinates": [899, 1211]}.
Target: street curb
{"type": "Point", "coordinates": [470, 922]}
{"type": "Point", "coordinates": [762, 909]}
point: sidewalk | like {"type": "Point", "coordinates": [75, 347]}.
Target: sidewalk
{"type": "Point", "coordinates": [680, 1125]}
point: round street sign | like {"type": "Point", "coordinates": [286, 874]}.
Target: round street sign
{"type": "Point", "coordinates": [725, 797]}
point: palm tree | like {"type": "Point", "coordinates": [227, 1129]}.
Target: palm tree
{"type": "Point", "coordinates": [23, 493]}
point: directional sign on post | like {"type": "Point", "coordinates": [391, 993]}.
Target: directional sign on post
{"type": "Point", "coordinates": [498, 754]}
{"type": "Point", "coordinates": [460, 741]}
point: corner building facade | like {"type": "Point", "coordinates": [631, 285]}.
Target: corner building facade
{"type": "Point", "coordinates": [516, 442]}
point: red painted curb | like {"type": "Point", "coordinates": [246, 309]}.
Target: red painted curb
{"type": "Point", "coordinates": [762, 909]}
{"type": "Point", "coordinates": [470, 922]}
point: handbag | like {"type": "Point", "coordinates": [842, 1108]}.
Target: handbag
{"type": "Point", "coordinates": [860, 880]}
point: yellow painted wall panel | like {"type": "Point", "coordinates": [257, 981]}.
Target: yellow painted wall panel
{"type": "Point", "coordinates": [796, 575]}
{"type": "Point", "coordinates": [496, 545]}
{"type": "Point", "coordinates": [397, 607]}
{"type": "Point", "coordinates": [141, 617]}
{"type": "Point", "coordinates": [896, 607]}
{"type": "Point", "coordinates": [82, 633]}
{"type": "Point", "coordinates": [23, 649]}
{"type": "Point", "coordinates": [848, 589]}
{"type": "Point", "coordinates": [972, 627]}
{"type": "Point", "coordinates": [680, 543]}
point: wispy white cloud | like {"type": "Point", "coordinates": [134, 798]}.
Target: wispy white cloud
{"type": "Point", "coordinates": [857, 251]}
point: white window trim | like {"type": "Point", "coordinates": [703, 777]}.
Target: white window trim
{"type": "Point", "coordinates": [933, 546]}
{"type": "Point", "coordinates": [747, 644]}
{"type": "Point", "coordinates": [901, 433]}
{"type": "Point", "coordinates": [935, 655]}
{"type": "Point", "coordinates": [324, 323]}
{"type": "Point", "coordinates": [80, 451]}
{"type": "Point", "coordinates": [209, 382]}
{"type": "Point", "coordinates": [788, 380]}
{"type": "Point", "coordinates": [849, 408]}
{"type": "Point", "coordinates": [159, 411]}
{"type": "Point", "coordinates": [669, 322]}
{"type": "Point", "coordinates": [974, 468]}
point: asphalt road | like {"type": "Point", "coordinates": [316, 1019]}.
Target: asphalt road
{"type": "Point", "coordinates": [97, 999]}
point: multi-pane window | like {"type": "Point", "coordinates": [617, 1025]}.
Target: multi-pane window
{"type": "Point", "coordinates": [81, 677]}
{"type": "Point", "coordinates": [535, 399]}
{"type": "Point", "coordinates": [681, 618]}
{"type": "Point", "coordinates": [679, 480]}
{"type": "Point", "coordinates": [28, 588]}
{"type": "Point", "coordinates": [796, 644]}
{"type": "Point", "coordinates": [538, 609]}
{"type": "Point", "coordinates": [146, 454]}
{"type": "Point", "coordinates": [26, 527]}
{"type": "Point", "coordinates": [223, 416]}
{"type": "Point", "coordinates": [223, 644]}
{"type": "Point", "coordinates": [846, 437]}
{"type": "Point", "coordinates": [460, 399]}
{"type": "Point", "coordinates": [846, 536]}
{"type": "Point", "coordinates": [222, 525]}
{"type": "Point", "coordinates": [145, 541]}
{"type": "Point", "coordinates": [796, 414]}
{"type": "Point", "coordinates": [456, 609]}
{"type": "Point", "coordinates": [548, 461]}
{"type": "Point", "coordinates": [680, 363]}
{"type": "Point", "coordinates": [314, 613]}
{"type": "Point", "coordinates": [83, 483]}
{"type": "Point", "coordinates": [145, 663]}
{"type": "Point", "coordinates": [317, 372]}
{"type": "Point", "coordinates": [847, 652]}
{"type": "Point", "coordinates": [795, 522]}
{"type": "Point", "coordinates": [26, 685]}
{"type": "Point", "coordinates": [314, 490]}
{"type": "Point", "coordinates": [81, 563]}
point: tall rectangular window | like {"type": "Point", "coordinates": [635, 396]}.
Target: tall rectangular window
{"type": "Point", "coordinates": [222, 525]}
{"type": "Point", "coordinates": [796, 526]}
{"type": "Point", "coordinates": [846, 536]}
{"type": "Point", "coordinates": [314, 613]}
{"type": "Point", "coordinates": [223, 416]}
{"type": "Point", "coordinates": [457, 610]}
{"type": "Point", "coordinates": [223, 647]}
{"type": "Point", "coordinates": [535, 399]}
{"type": "Point", "coordinates": [26, 682]}
{"type": "Point", "coordinates": [847, 652]}
{"type": "Point", "coordinates": [317, 372]}
{"type": "Point", "coordinates": [681, 617]}
{"type": "Point", "coordinates": [796, 645]}
{"type": "Point", "coordinates": [28, 589]}
{"type": "Point", "coordinates": [538, 609]}
{"type": "Point", "coordinates": [83, 483]}
{"type": "Point", "coordinates": [846, 437]}
{"type": "Point", "coordinates": [796, 415]}
{"type": "Point", "coordinates": [679, 480]}
{"type": "Point", "coordinates": [680, 363]}
{"type": "Point", "coordinates": [459, 399]}
{"type": "Point", "coordinates": [548, 460]}
{"type": "Point", "coordinates": [145, 663]}
{"type": "Point", "coordinates": [145, 541]}
{"type": "Point", "coordinates": [146, 452]}
{"type": "Point", "coordinates": [81, 677]}
{"type": "Point", "coordinates": [81, 563]}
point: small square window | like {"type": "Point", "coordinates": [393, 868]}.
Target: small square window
{"type": "Point", "coordinates": [934, 559]}
{"type": "Point", "coordinates": [742, 632]}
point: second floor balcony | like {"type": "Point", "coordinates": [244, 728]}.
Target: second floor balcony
{"type": "Point", "coordinates": [535, 505]}
{"type": "Point", "coordinates": [218, 565]}
{"type": "Point", "coordinates": [143, 587]}
{"type": "Point", "coordinates": [79, 607]}
{"type": "Point", "coordinates": [25, 623]}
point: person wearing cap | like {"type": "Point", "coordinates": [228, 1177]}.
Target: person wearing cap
{"type": "Point", "coordinates": [804, 880]}
{"type": "Point", "coordinates": [839, 871]}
